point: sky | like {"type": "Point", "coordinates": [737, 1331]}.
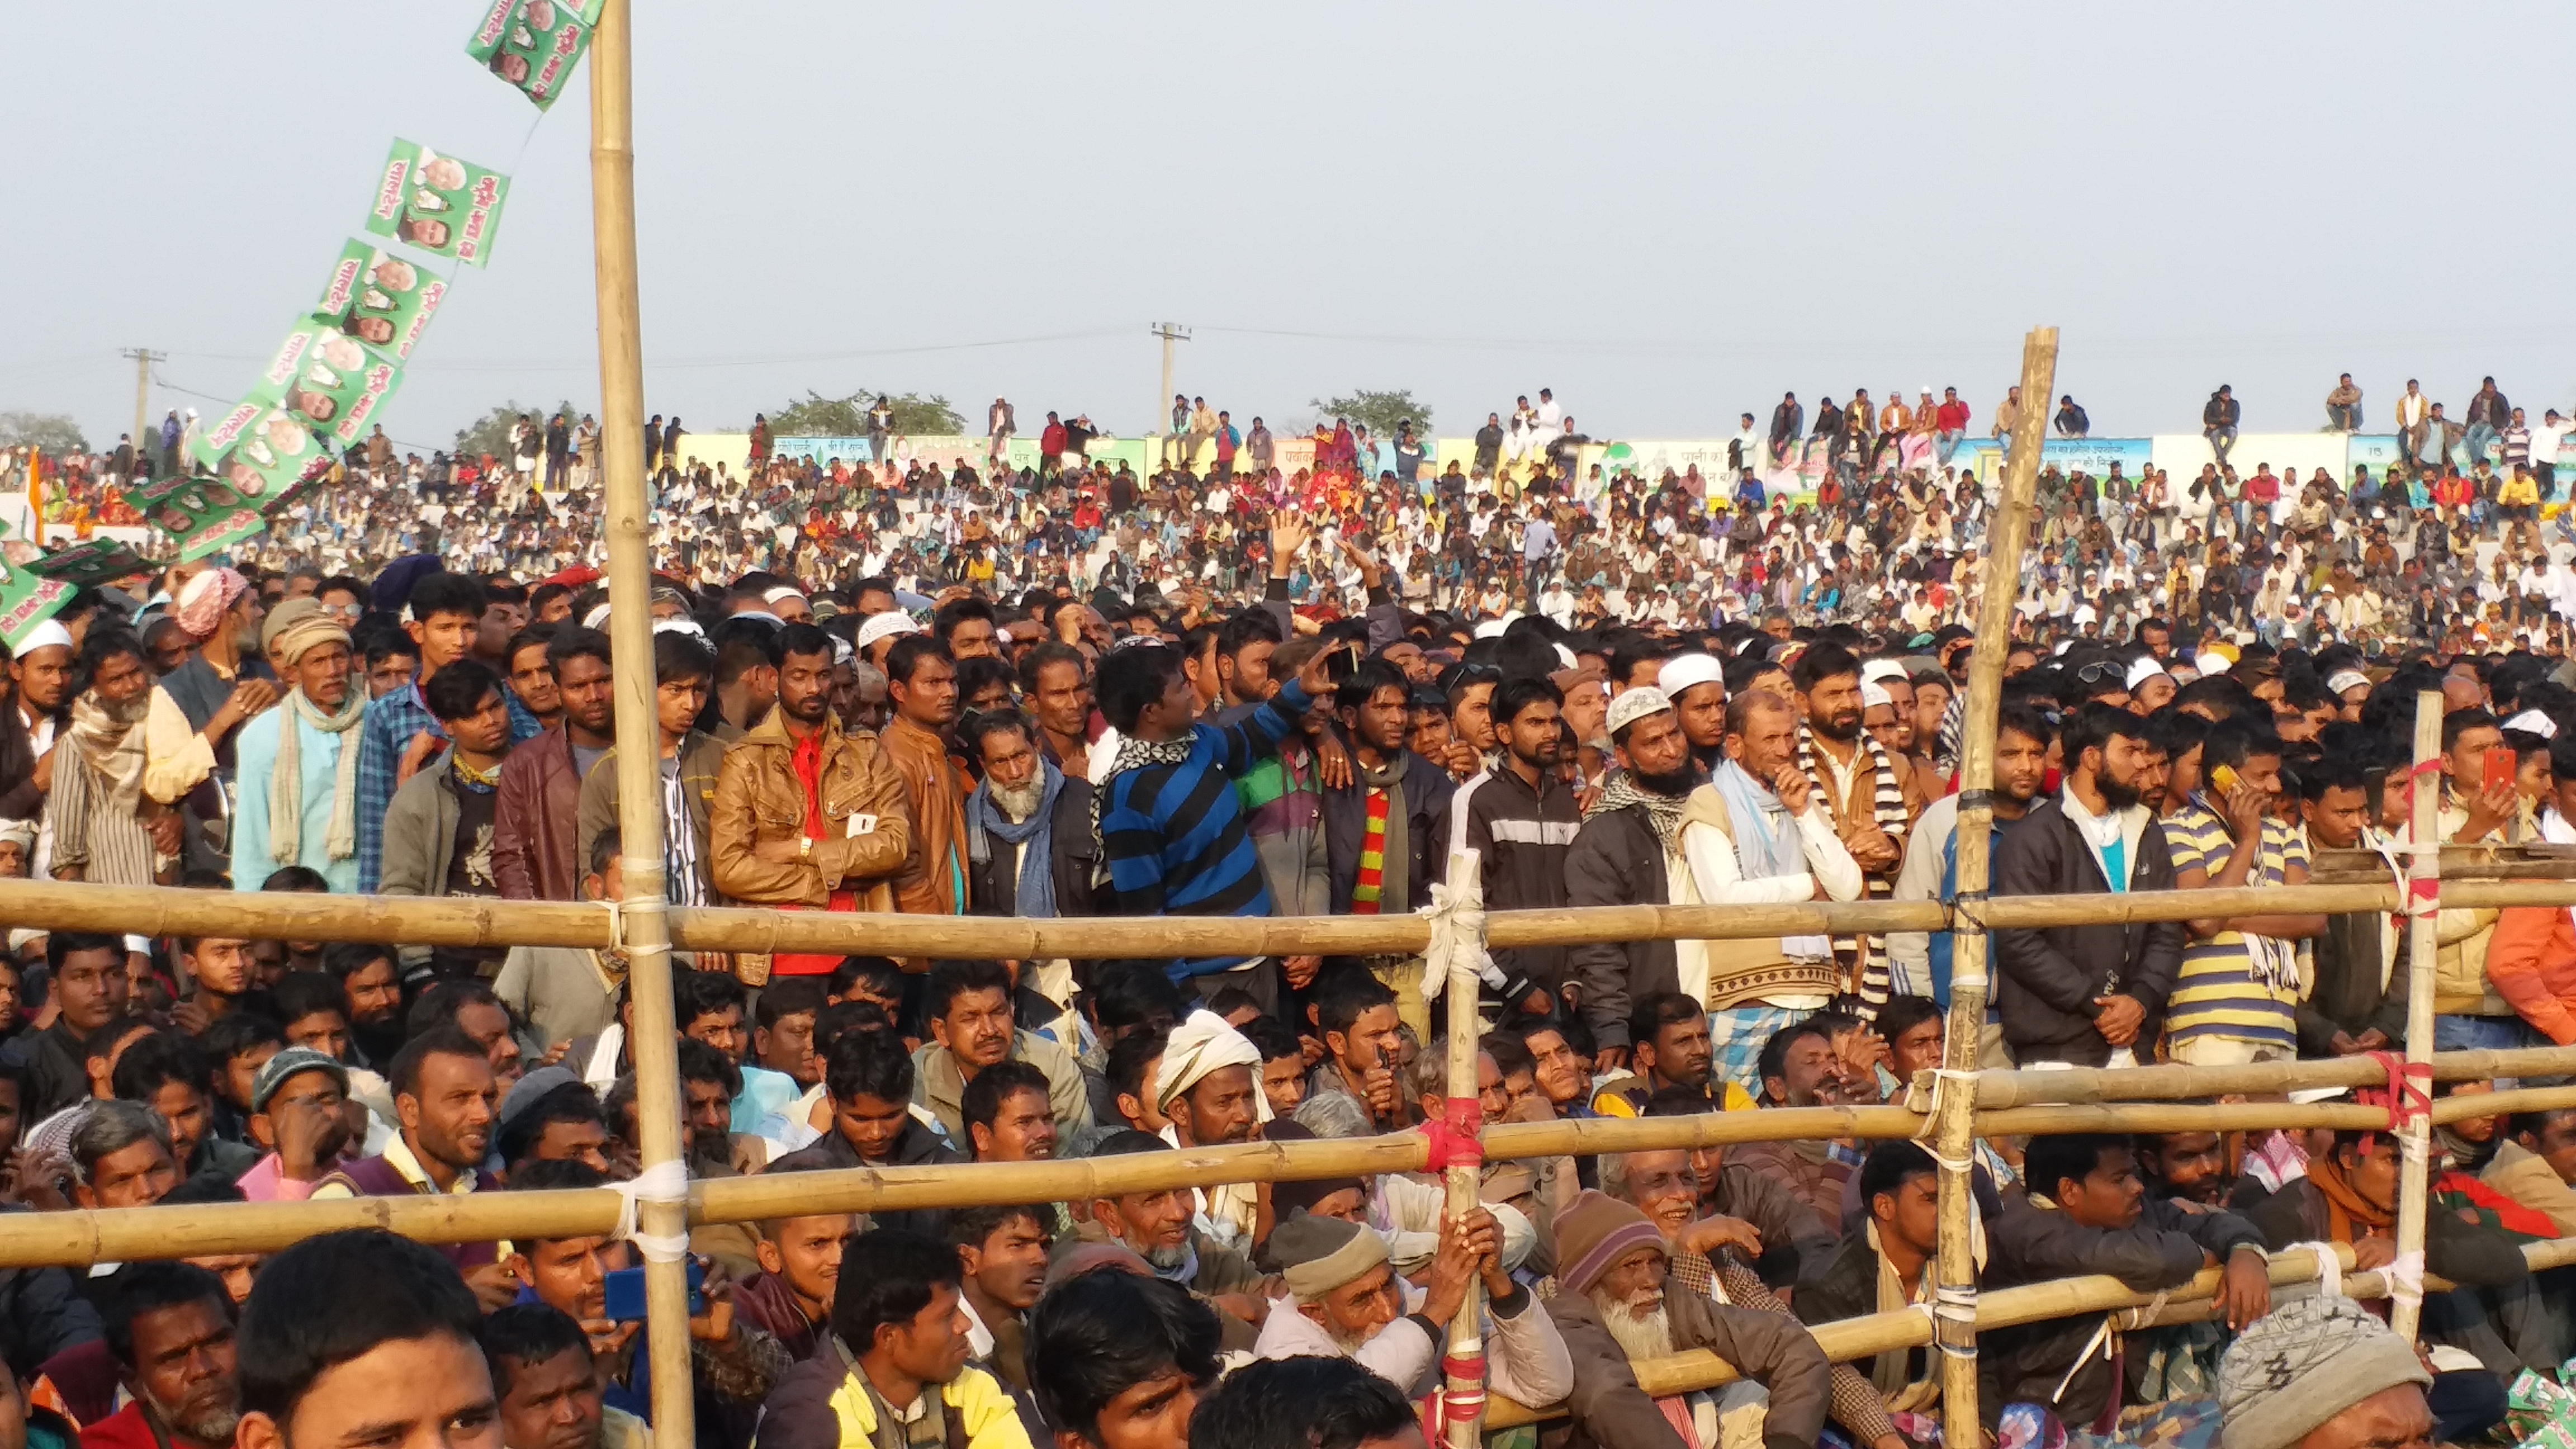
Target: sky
{"type": "Point", "coordinates": [1669, 213]}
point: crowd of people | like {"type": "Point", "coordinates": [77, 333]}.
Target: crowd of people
{"type": "Point", "coordinates": [1239, 696]}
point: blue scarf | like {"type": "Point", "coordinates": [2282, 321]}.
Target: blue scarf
{"type": "Point", "coordinates": [1766, 839]}
{"type": "Point", "coordinates": [1036, 836]}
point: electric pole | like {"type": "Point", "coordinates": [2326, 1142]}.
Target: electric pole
{"type": "Point", "coordinates": [143, 357]}
{"type": "Point", "coordinates": [1170, 332]}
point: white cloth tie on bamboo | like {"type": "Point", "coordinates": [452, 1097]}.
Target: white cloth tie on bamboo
{"type": "Point", "coordinates": [2329, 1267]}
{"type": "Point", "coordinates": [2406, 1279]}
{"type": "Point", "coordinates": [616, 923]}
{"type": "Point", "coordinates": [665, 1183]}
{"type": "Point", "coordinates": [1928, 1138]}
{"type": "Point", "coordinates": [1457, 916]}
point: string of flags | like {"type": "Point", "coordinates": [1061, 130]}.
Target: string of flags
{"type": "Point", "coordinates": [327, 383]}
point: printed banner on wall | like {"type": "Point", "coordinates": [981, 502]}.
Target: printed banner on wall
{"type": "Point", "coordinates": [324, 376]}
{"type": "Point", "coordinates": [439, 204]}
{"type": "Point", "coordinates": [381, 299]}
{"type": "Point", "coordinates": [260, 450]}
{"type": "Point", "coordinates": [533, 44]}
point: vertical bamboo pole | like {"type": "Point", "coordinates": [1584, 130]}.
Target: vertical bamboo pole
{"type": "Point", "coordinates": [630, 626]}
{"type": "Point", "coordinates": [1954, 1126]}
{"type": "Point", "coordinates": [2423, 944]}
{"type": "Point", "coordinates": [1466, 1346]}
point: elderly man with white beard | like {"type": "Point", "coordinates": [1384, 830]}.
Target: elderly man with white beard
{"type": "Point", "coordinates": [1616, 1304]}
{"type": "Point", "coordinates": [1029, 847]}
{"type": "Point", "coordinates": [1344, 1300]}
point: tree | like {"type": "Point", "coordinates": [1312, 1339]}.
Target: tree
{"type": "Point", "coordinates": [1380, 411]}
{"type": "Point", "coordinates": [817, 416]}
{"type": "Point", "coordinates": [491, 433]}
{"type": "Point", "coordinates": [50, 432]}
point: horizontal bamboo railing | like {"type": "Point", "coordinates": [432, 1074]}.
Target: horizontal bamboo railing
{"type": "Point", "coordinates": [1853, 1339]}
{"type": "Point", "coordinates": [80, 1237]}
{"type": "Point", "coordinates": [463, 921]}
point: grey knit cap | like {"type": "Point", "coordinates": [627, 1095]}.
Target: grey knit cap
{"type": "Point", "coordinates": [2303, 1363]}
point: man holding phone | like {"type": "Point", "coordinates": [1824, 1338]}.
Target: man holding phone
{"type": "Point", "coordinates": [2237, 998]}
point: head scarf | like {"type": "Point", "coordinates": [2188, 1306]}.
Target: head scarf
{"type": "Point", "coordinates": [205, 598]}
{"type": "Point", "coordinates": [1198, 1046]}
{"type": "Point", "coordinates": [292, 632]}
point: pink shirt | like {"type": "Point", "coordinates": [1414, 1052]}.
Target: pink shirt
{"type": "Point", "coordinates": [265, 1183]}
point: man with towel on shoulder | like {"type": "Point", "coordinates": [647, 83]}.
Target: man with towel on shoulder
{"type": "Point", "coordinates": [1209, 1085]}
{"type": "Point", "coordinates": [1344, 1300]}
{"type": "Point", "coordinates": [298, 803]}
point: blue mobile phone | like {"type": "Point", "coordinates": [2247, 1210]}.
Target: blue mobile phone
{"type": "Point", "coordinates": [625, 1289]}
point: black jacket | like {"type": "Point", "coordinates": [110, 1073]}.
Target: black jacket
{"type": "Point", "coordinates": [918, 1145]}
{"type": "Point", "coordinates": [1521, 838]}
{"type": "Point", "coordinates": [2222, 412]}
{"type": "Point", "coordinates": [2467, 1253]}
{"type": "Point", "coordinates": [2348, 996]}
{"type": "Point", "coordinates": [2033, 1245]}
{"type": "Point", "coordinates": [993, 891]}
{"type": "Point", "coordinates": [1617, 861]}
{"type": "Point", "coordinates": [1426, 789]}
{"type": "Point", "coordinates": [41, 1314]}
{"type": "Point", "coordinates": [2050, 977]}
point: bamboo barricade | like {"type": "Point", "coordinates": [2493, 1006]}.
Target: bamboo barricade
{"type": "Point", "coordinates": [660, 1209]}
{"type": "Point", "coordinates": [472, 921]}
{"type": "Point", "coordinates": [1462, 1366]}
{"type": "Point", "coordinates": [2424, 889]}
{"type": "Point", "coordinates": [1853, 1339]}
{"type": "Point", "coordinates": [1954, 1293]}
{"type": "Point", "coordinates": [81, 1237]}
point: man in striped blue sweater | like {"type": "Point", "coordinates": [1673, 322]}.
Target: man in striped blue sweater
{"type": "Point", "coordinates": [1171, 825]}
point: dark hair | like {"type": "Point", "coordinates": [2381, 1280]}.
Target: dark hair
{"type": "Point", "coordinates": [1126, 994]}
{"type": "Point", "coordinates": [2460, 721]}
{"type": "Point", "coordinates": [678, 656]}
{"type": "Point", "coordinates": [1249, 627]}
{"type": "Point", "coordinates": [700, 1062]}
{"type": "Point", "coordinates": [566, 1175]}
{"type": "Point", "coordinates": [1308, 1402]}
{"type": "Point", "coordinates": [517, 1136]}
{"type": "Point", "coordinates": [2232, 741]}
{"type": "Point", "coordinates": [876, 971]}
{"type": "Point", "coordinates": [299, 994]}
{"type": "Point", "coordinates": [787, 996]}
{"type": "Point", "coordinates": [978, 725]}
{"type": "Point", "coordinates": [524, 1335]}
{"type": "Point", "coordinates": [140, 1288]}
{"type": "Point", "coordinates": [2092, 726]}
{"type": "Point", "coordinates": [445, 593]}
{"type": "Point", "coordinates": [157, 1060]}
{"type": "Point", "coordinates": [867, 1064]}
{"type": "Point", "coordinates": [702, 993]}
{"type": "Point", "coordinates": [1657, 1010]}
{"type": "Point", "coordinates": [1045, 652]}
{"type": "Point", "coordinates": [1131, 679]}
{"type": "Point", "coordinates": [1775, 1052]}
{"type": "Point", "coordinates": [60, 944]}
{"type": "Point", "coordinates": [2052, 1159]}
{"type": "Point", "coordinates": [444, 1002]}
{"type": "Point", "coordinates": [945, 620]}
{"type": "Point", "coordinates": [1097, 1335]}
{"type": "Point", "coordinates": [236, 1032]}
{"type": "Point", "coordinates": [746, 648]}
{"type": "Point", "coordinates": [1519, 693]}
{"type": "Point", "coordinates": [458, 691]}
{"type": "Point", "coordinates": [2025, 719]}
{"type": "Point", "coordinates": [1367, 679]}
{"type": "Point", "coordinates": [1345, 994]}
{"type": "Point", "coordinates": [1901, 1014]}
{"type": "Point", "coordinates": [1271, 1037]}
{"type": "Point", "coordinates": [1819, 662]}
{"type": "Point", "coordinates": [444, 1041]}
{"type": "Point", "coordinates": [574, 642]}
{"type": "Point", "coordinates": [295, 878]}
{"type": "Point", "coordinates": [1889, 1167]}
{"type": "Point", "coordinates": [1128, 1060]}
{"type": "Point", "coordinates": [952, 979]}
{"type": "Point", "coordinates": [971, 1227]}
{"type": "Point", "coordinates": [904, 659]}
{"type": "Point", "coordinates": [995, 1085]}
{"type": "Point", "coordinates": [344, 959]}
{"type": "Point", "coordinates": [302, 1319]}
{"type": "Point", "coordinates": [887, 1276]}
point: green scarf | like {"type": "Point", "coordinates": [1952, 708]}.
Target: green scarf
{"type": "Point", "coordinates": [1394, 895]}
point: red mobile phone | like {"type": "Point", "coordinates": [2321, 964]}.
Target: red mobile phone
{"type": "Point", "coordinates": [2500, 766]}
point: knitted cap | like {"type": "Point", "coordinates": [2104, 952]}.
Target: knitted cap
{"type": "Point", "coordinates": [1594, 1234]}
{"type": "Point", "coordinates": [2303, 1363]}
{"type": "Point", "coordinates": [1318, 1255]}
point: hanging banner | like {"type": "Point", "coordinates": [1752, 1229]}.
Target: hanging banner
{"type": "Point", "coordinates": [324, 376]}
{"type": "Point", "coordinates": [533, 44]}
{"type": "Point", "coordinates": [91, 561]}
{"type": "Point", "coordinates": [27, 599]}
{"type": "Point", "coordinates": [202, 515]}
{"type": "Point", "coordinates": [381, 299]}
{"type": "Point", "coordinates": [259, 449]}
{"type": "Point", "coordinates": [438, 204]}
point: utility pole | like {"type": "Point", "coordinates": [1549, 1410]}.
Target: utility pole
{"type": "Point", "coordinates": [1170, 332]}
{"type": "Point", "coordinates": [144, 357]}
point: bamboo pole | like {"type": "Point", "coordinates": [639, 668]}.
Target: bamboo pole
{"type": "Point", "coordinates": [2173, 1081]}
{"type": "Point", "coordinates": [1462, 1367]}
{"type": "Point", "coordinates": [1954, 1127]}
{"type": "Point", "coordinates": [470, 921]}
{"type": "Point", "coordinates": [80, 1237]}
{"type": "Point", "coordinates": [2423, 947]}
{"type": "Point", "coordinates": [646, 925]}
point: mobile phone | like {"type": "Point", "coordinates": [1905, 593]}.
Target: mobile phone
{"type": "Point", "coordinates": [2500, 767]}
{"type": "Point", "coordinates": [625, 1293]}
{"type": "Point", "coordinates": [2223, 779]}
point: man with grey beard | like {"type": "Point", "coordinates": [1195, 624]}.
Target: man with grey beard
{"type": "Point", "coordinates": [1616, 1305]}
{"type": "Point", "coordinates": [1029, 846]}
{"type": "Point", "coordinates": [170, 1326]}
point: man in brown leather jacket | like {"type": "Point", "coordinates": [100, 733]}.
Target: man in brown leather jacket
{"type": "Point", "coordinates": [921, 681]}
{"type": "Point", "coordinates": [807, 816]}
{"type": "Point", "coordinates": [534, 855]}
